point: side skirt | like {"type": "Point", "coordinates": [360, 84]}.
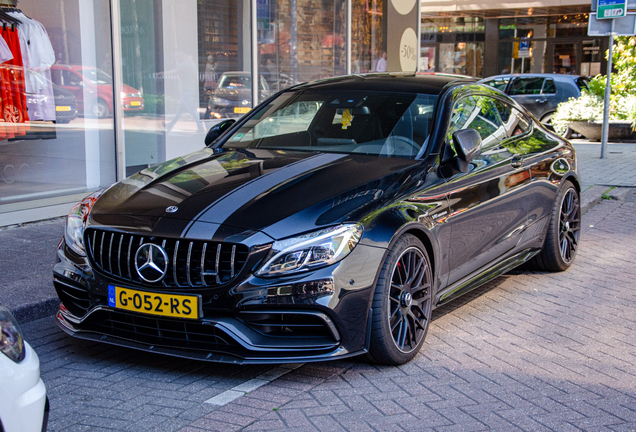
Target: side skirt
{"type": "Point", "coordinates": [482, 276]}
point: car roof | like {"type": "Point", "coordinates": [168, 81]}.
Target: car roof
{"type": "Point", "coordinates": [405, 82]}
{"type": "Point", "coordinates": [535, 75]}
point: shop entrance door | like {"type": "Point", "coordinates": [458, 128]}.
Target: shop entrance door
{"type": "Point", "coordinates": [578, 57]}
{"type": "Point", "coordinates": [565, 58]}
{"type": "Point", "coordinates": [591, 57]}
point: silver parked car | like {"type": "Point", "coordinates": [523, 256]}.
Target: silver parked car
{"type": "Point", "coordinates": [540, 93]}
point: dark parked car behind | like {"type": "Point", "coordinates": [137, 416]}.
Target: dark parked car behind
{"type": "Point", "coordinates": [232, 96]}
{"type": "Point", "coordinates": [326, 223]}
{"type": "Point", "coordinates": [540, 93]}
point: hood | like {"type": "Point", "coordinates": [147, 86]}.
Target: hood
{"type": "Point", "coordinates": [234, 94]}
{"type": "Point", "coordinates": [128, 89]}
{"type": "Point", "coordinates": [63, 96]}
{"type": "Point", "coordinates": [275, 192]}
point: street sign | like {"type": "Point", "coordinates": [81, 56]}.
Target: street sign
{"type": "Point", "coordinates": [608, 9]}
{"type": "Point", "coordinates": [631, 5]}
{"type": "Point", "coordinates": [524, 49]}
{"type": "Point", "coordinates": [624, 26]}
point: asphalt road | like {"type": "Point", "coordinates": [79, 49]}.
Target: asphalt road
{"type": "Point", "coordinates": [527, 352]}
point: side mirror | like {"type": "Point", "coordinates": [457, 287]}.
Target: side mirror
{"type": "Point", "coordinates": [217, 130]}
{"type": "Point", "coordinates": [467, 144]}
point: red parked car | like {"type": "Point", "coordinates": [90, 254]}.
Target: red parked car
{"type": "Point", "coordinates": [77, 77]}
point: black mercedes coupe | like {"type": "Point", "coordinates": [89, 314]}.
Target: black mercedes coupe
{"type": "Point", "coordinates": [326, 223]}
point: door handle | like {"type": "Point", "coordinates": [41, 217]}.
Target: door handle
{"type": "Point", "coordinates": [541, 101]}
{"type": "Point", "coordinates": [517, 161]}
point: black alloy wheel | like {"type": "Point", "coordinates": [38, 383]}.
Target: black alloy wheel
{"type": "Point", "coordinates": [569, 225]}
{"type": "Point", "coordinates": [564, 232]}
{"type": "Point", "coordinates": [402, 303]}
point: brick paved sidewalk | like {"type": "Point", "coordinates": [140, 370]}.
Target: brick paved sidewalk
{"type": "Point", "coordinates": [529, 351]}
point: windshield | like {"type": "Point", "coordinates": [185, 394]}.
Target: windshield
{"type": "Point", "coordinates": [96, 76]}
{"type": "Point", "coordinates": [235, 81]}
{"type": "Point", "coordinates": [378, 123]}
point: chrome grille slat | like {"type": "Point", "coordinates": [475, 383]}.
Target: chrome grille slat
{"type": "Point", "coordinates": [101, 251]}
{"type": "Point", "coordinates": [110, 253]}
{"type": "Point", "coordinates": [114, 253]}
{"type": "Point", "coordinates": [205, 247]}
{"type": "Point", "coordinates": [163, 245]}
{"type": "Point", "coordinates": [174, 263]}
{"type": "Point", "coordinates": [121, 240]}
{"type": "Point", "coordinates": [216, 265]}
{"type": "Point", "coordinates": [129, 257]}
{"type": "Point", "coordinates": [232, 261]}
{"type": "Point", "coordinates": [188, 269]}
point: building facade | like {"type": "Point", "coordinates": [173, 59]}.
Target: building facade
{"type": "Point", "coordinates": [110, 87]}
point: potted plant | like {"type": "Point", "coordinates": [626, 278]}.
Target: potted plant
{"type": "Point", "coordinates": [585, 114]}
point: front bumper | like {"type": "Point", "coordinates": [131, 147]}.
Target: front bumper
{"type": "Point", "coordinates": [313, 317]}
{"type": "Point", "coordinates": [23, 394]}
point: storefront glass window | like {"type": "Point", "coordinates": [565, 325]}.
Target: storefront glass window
{"type": "Point", "coordinates": [55, 146]}
{"type": "Point", "coordinates": [185, 66]}
{"type": "Point", "coordinates": [462, 58]}
{"type": "Point", "coordinates": [300, 40]}
{"type": "Point", "coordinates": [453, 45]}
{"type": "Point", "coordinates": [523, 56]}
{"type": "Point", "coordinates": [368, 34]}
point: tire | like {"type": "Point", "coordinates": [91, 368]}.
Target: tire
{"type": "Point", "coordinates": [564, 132]}
{"type": "Point", "coordinates": [100, 109]}
{"type": "Point", "coordinates": [401, 303]}
{"type": "Point", "coordinates": [564, 233]}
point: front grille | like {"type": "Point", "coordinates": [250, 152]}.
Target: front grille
{"type": "Point", "coordinates": [191, 263]}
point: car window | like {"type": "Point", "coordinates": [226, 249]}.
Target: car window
{"type": "Point", "coordinates": [514, 121]}
{"type": "Point", "coordinates": [378, 123]}
{"type": "Point", "coordinates": [70, 79]}
{"type": "Point", "coordinates": [479, 113]}
{"type": "Point", "coordinates": [96, 76]}
{"type": "Point", "coordinates": [56, 76]}
{"type": "Point", "coordinates": [498, 83]}
{"type": "Point", "coordinates": [583, 83]}
{"type": "Point", "coordinates": [527, 86]}
{"type": "Point", "coordinates": [235, 81]}
{"type": "Point", "coordinates": [549, 87]}
{"type": "Point", "coordinates": [295, 117]}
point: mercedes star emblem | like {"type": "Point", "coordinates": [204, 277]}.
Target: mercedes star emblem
{"type": "Point", "coordinates": [151, 262]}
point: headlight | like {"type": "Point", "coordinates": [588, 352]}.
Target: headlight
{"type": "Point", "coordinates": [221, 101]}
{"type": "Point", "coordinates": [310, 251]}
{"type": "Point", "coordinates": [122, 95]}
{"type": "Point", "coordinates": [11, 342]}
{"type": "Point", "coordinates": [76, 222]}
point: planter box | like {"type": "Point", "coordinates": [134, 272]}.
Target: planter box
{"type": "Point", "coordinates": [618, 130]}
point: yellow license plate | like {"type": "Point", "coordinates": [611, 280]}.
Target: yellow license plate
{"type": "Point", "coordinates": [161, 304]}
{"type": "Point", "coordinates": [240, 110]}
{"type": "Point", "coordinates": [135, 103]}
{"type": "Point", "coordinates": [62, 108]}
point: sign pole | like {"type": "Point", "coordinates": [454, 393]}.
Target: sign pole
{"type": "Point", "coordinates": [608, 91]}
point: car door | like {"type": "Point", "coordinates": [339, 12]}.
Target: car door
{"type": "Point", "coordinates": [488, 210]}
{"type": "Point", "coordinates": [547, 162]}
{"type": "Point", "coordinates": [70, 81]}
{"type": "Point", "coordinates": [527, 92]}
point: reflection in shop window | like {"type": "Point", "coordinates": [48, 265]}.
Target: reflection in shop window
{"type": "Point", "coordinates": [462, 58]}
{"type": "Point", "coordinates": [53, 147]}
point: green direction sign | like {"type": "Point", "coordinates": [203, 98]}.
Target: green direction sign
{"type": "Point", "coordinates": [611, 9]}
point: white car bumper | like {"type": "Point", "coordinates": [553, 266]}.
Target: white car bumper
{"type": "Point", "coordinates": [22, 393]}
